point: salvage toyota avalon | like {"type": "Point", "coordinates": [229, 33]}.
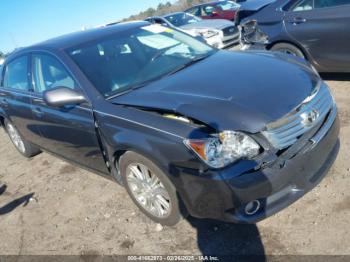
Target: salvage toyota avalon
{"type": "Point", "coordinates": [187, 129]}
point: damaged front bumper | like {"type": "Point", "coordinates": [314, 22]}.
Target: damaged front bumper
{"type": "Point", "coordinates": [252, 37]}
{"type": "Point", "coordinates": [232, 194]}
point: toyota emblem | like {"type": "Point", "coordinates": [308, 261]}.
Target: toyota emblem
{"type": "Point", "coordinates": [310, 117]}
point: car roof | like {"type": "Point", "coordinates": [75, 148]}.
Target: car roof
{"type": "Point", "coordinates": [80, 37]}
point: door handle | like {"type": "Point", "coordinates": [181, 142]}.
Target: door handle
{"type": "Point", "coordinates": [37, 111]}
{"type": "Point", "coordinates": [298, 20]}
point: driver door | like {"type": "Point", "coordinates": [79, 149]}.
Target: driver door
{"type": "Point", "coordinates": [67, 131]}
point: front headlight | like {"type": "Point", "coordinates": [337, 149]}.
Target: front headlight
{"type": "Point", "coordinates": [225, 148]}
{"type": "Point", "coordinates": [207, 33]}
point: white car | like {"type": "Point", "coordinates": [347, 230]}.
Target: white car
{"type": "Point", "coordinates": [218, 33]}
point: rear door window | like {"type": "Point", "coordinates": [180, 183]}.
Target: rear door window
{"type": "Point", "coordinates": [16, 74]}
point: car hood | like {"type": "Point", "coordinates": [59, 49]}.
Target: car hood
{"type": "Point", "coordinates": [230, 90]}
{"type": "Point", "coordinates": [255, 5]}
{"type": "Point", "coordinates": [209, 23]}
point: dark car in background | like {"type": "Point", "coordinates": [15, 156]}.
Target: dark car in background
{"type": "Point", "coordinates": [215, 10]}
{"type": "Point", "coordinates": [249, 7]}
{"type": "Point", "coordinates": [186, 128]}
{"type": "Point", "coordinates": [317, 30]}
{"type": "Point", "coordinates": [218, 33]}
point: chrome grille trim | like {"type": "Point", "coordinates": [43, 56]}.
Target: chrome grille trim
{"type": "Point", "coordinates": [286, 131]}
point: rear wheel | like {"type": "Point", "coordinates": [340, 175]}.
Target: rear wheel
{"type": "Point", "coordinates": [23, 146]}
{"type": "Point", "coordinates": [288, 49]}
{"type": "Point", "coordinates": [150, 189]}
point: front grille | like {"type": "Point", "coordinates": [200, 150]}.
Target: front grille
{"type": "Point", "coordinates": [231, 30]}
{"type": "Point", "coordinates": [286, 131]}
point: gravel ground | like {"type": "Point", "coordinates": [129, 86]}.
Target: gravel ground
{"type": "Point", "coordinates": [48, 206]}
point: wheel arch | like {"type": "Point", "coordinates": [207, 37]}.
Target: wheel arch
{"type": "Point", "coordinates": [148, 152]}
{"type": "Point", "coordinates": [3, 118]}
{"type": "Point", "coordinates": [2, 121]}
{"type": "Point", "coordinates": [300, 47]}
{"type": "Point", "coordinates": [124, 148]}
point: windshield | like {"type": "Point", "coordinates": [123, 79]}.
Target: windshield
{"type": "Point", "coordinates": [136, 57]}
{"type": "Point", "coordinates": [180, 19]}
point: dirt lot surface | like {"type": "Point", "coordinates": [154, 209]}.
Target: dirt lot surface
{"type": "Point", "coordinates": [50, 207]}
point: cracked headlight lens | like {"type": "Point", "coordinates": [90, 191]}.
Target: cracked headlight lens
{"type": "Point", "coordinates": [224, 148]}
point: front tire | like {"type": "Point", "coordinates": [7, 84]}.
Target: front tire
{"type": "Point", "coordinates": [150, 189]}
{"type": "Point", "coordinates": [288, 49]}
{"type": "Point", "coordinates": [24, 147]}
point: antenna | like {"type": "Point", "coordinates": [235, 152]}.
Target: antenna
{"type": "Point", "coordinates": [13, 40]}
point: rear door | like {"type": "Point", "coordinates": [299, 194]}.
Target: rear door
{"type": "Point", "coordinates": [15, 96]}
{"type": "Point", "coordinates": [68, 131]}
{"type": "Point", "coordinates": [322, 27]}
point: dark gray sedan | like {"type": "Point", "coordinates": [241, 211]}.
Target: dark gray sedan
{"type": "Point", "coordinates": [186, 128]}
{"type": "Point", "coordinates": [317, 30]}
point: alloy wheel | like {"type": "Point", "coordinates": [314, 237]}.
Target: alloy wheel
{"type": "Point", "coordinates": [148, 190]}
{"type": "Point", "coordinates": [15, 138]}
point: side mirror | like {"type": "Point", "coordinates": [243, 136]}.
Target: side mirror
{"type": "Point", "coordinates": [62, 96]}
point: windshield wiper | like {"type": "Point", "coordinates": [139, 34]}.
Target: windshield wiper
{"type": "Point", "coordinates": [131, 88]}
{"type": "Point", "coordinates": [191, 62]}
